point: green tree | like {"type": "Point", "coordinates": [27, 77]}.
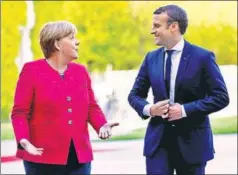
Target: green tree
{"type": "Point", "coordinates": [105, 31]}
{"type": "Point", "coordinates": [13, 15]}
{"type": "Point", "coordinates": [45, 11]}
{"type": "Point", "coordinates": [219, 38]}
{"type": "Point", "coordinates": [113, 32]}
{"type": "Point", "coordinates": [213, 29]}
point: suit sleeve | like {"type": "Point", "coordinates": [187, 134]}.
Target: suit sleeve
{"type": "Point", "coordinates": [96, 116]}
{"type": "Point", "coordinates": [139, 92]}
{"type": "Point", "coordinates": [22, 103]}
{"type": "Point", "coordinates": [217, 96]}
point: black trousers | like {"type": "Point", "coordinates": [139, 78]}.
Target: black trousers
{"type": "Point", "coordinates": [72, 167]}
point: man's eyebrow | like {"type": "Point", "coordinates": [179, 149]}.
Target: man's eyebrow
{"type": "Point", "coordinates": [156, 24]}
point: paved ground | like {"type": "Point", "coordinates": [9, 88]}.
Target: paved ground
{"type": "Point", "coordinates": [128, 159]}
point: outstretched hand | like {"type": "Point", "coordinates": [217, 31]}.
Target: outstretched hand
{"type": "Point", "coordinates": [105, 131]}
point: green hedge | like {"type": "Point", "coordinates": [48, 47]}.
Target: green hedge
{"type": "Point", "coordinates": [226, 125]}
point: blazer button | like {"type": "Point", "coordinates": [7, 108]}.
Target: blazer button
{"type": "Point", "coordinates": [69, 110]}
{"type": "Point", "coordinates": [70, 122]}
{"type": "Point", "coordinates": [68, 98]}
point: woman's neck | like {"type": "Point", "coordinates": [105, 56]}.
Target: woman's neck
{"type": "Point", "coordinates": [56, 64]}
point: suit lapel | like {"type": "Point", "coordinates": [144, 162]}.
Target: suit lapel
{"type": "Point", "coordinates": [160, 57]}
{"type": "Point", "coordinates": [185, 57]}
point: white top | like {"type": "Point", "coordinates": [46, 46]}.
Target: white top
{"type": "Point", "coordinates": [175, 60]}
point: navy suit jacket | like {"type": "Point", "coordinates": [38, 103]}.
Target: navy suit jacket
{"type": "Point", "coordinates": [199, 87]}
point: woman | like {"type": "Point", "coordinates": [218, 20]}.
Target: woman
{"type": "Point", "coordinates": [53, 103]}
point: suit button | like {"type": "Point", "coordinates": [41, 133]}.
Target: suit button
{"type": "Point", "coordinates": [68, 98]}
{"type": "Point", "coordinates": [70, 122]}
{"type": "Point", "coordinates": [173, 125]}
{"type": "Point", "coordinates": [69, 110]}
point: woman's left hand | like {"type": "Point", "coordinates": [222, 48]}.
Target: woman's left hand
{"type": "Point", "coordinates": [105, 131]}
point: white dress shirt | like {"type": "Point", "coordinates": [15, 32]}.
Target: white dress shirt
{"type": "Point", "coordinates": [175, 60]}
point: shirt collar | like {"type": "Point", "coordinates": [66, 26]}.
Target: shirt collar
{"type": "Point", "coordinates": [178, 47]}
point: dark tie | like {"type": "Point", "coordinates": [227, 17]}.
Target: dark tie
{"type": "Point", "coordinates": [168, 70]}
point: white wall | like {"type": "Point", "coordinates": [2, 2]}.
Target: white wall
{"type": "Point", "coordinates": [122, 81]}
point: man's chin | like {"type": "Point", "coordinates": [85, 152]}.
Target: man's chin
{"type": "Point", "coordinates": [158, 44]}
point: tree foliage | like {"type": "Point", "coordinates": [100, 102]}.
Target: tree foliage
{"type": "Point", "coordinates": [13, 16]}
{"type": "Point", "coordinates": [105, 31]}
{"type": "Point", "coordinates": [116, 33]}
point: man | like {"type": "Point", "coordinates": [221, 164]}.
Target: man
{"type": "Point", "coordinates": [179, 135]}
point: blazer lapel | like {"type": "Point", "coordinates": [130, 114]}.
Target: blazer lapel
{"type": "Point", "coordinates": [160, 57]}
{"type": "Point", "coordinates": [185, 57]}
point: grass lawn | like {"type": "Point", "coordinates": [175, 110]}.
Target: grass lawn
{"type": "Point", "coordinates": [226, 125]}
{"type": "Point", "coordinates": [6, 131]}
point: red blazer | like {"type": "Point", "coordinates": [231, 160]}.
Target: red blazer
{"type": "Point", "coordinates": [50, 110]}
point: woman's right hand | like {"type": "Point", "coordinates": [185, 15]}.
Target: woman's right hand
{"type": "Point", "coordinates": [31, 149]}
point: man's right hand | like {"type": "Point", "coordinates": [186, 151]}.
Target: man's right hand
{"type": "Point", "coordinates": [160, 109]}
{"type": "Point", "coordinates": [31, 149]}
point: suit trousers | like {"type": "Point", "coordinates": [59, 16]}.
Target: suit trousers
{"type": "Point", "coordinates": [168, 158]}
{"type": "Point", "coordinates": [72, 167]}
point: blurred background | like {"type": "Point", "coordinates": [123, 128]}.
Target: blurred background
{"type": "Point", "coordinates": [114, 38]}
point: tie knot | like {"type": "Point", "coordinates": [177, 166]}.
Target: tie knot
{"type": "Point", "coordinates": [169, 52]}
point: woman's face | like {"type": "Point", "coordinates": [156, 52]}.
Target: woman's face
{"type": "Point", "coordinates": [68, 47]}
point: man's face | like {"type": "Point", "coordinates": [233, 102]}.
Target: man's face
{"type": "Point", "coordinates": [160, 29]}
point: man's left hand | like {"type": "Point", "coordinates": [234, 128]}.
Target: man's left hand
{"type": "Point", "coordinates": [105, 131]}
{"type": "Point", "coordinates": [175, 112]}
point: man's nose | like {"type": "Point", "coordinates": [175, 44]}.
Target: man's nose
{"type": "Point", "coordinates": [152, 31]}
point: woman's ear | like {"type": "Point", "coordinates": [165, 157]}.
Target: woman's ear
{"type": "Point", "coordinates": [57, 45]}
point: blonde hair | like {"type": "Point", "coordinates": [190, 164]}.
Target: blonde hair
{"type": "Point", "coordinates": [53, 31]}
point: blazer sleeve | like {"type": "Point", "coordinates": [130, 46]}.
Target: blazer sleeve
{"type": "Point", "coordinates": [22, 103]}
{"type": "Point", "coordinates": [217, 96]}
{"type": "Point", "coordinates": [96, 117]}
{"type": "Point", "coordinates": [139, 92]}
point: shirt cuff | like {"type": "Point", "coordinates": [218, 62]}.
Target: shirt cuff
{"type": "Point", "coordinates": [183, 112]}
{"type": "Point", "coordinates": [146, 110]}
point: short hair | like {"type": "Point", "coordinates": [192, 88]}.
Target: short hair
{"type": "Point", "coordinates": [53, 31]}
{"type": "Point", "coordinates": [176, 14]}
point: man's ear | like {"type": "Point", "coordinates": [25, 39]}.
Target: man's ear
{"type": "Point", "coordinates": [57, 45]}
{"type": "Point", "coordinates": [174, 26]}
